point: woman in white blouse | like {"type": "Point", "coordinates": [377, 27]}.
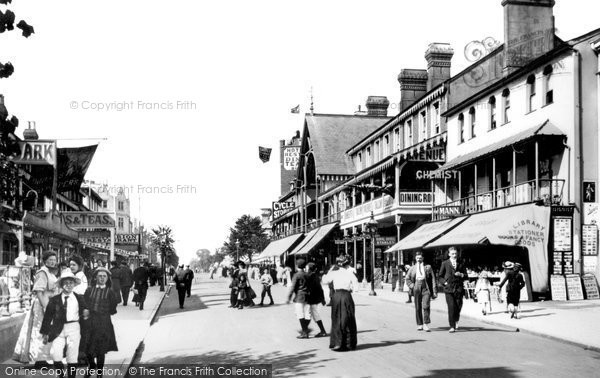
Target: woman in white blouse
{"type": "Point", "coordinates": [76, 266]}
{"type": "Point", "coordinates": [343, 321]}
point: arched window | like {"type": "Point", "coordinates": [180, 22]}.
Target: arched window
{"type": "Point", "coordinates": [530, 93]}
{"type": "Point", "coordinates": [492, 103]}
{"type": "Point", "coordinates": [461, 128]}
{"type": "Point", "coordinates": [505, 106]}
{"type": "Point", "coordinates": [472, 121]}
{"type": "Point", "coordinates": [548, 90]}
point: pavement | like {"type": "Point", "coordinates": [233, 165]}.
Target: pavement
{"type": "Point", "coordinates": [131, 326]}
{"type": "Point", "coordinates": [206, 332]}
{"type": "Point", "coordinates": [574, 322]}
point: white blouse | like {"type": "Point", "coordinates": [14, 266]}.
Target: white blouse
{"type": "Point", "coordinates": [342, 279]}
{"type": "Point", "coordinates": [81, 288]}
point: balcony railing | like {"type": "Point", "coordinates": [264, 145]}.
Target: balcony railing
{"type": "Point", "coordinates": [550, 192]}
{"type": "Point", "coordinates": [15, 289]}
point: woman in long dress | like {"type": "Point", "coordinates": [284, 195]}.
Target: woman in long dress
{"type": "Point", "coordinates": [514, 285]}
{"type": "Point", "coordinates": [343, 320]}
{"type": "Point", "coordinates": [30, 346]}
{"type": "Point", "coordinates": [102, 304]}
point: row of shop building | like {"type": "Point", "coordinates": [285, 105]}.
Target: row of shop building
{"type": "Point", "coordinates": [500, 160]}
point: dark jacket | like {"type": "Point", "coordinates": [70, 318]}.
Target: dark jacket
{"type": "Point", "coordinates": [314, 293]}
{"type": "Point", "coordinates": [126, 277]}
{"type": "Point", "coordinates": [299, 286]}
{"type": "Point", "coordinates": [140, 276]}
{"type": "Point", "coordinates": [55, 315]}
{"type": "Point", "coordinates": [180, 279]}
{"type": "Point", "coordinates": [115, 276]}
{"type": "Point", "coordinates": [411, 278]}
{"type": "Point", "coordinates": [448, 279]}
{"type": "Point", "coordinates": [189, 275]}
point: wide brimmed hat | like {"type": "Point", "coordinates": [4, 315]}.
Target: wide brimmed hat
{"type": "Point", "coordinates": [508, 265]}
{"type": "Point", "coordinates": [67, 274]}
{"type": "Point", "coordinates": [518, 266]}
{"type": "Point", "coordinates": [101, 269]}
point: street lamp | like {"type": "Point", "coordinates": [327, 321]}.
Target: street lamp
{"type": "Point", "coordinates": [372, 230]}
{"type": "Point", "coordinates": [237, 250]}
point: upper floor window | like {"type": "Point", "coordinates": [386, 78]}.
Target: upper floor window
{"type": "Point", "coordinates": [548, 91]}
{"type": "Point", "coordinates": [121, 224]}
{"type": "Point", "coordinates": [530, 93]}
{"type": "Point", "coordinates": [369, 156]}
{"type": "Point", "coordinates": [436, 117]}
{"type": "Point", "coordinates": [423, 125]}
{"type": "Point", "coordinates": [472, 121]}
{"type": "Point", "coordinates": [461, 128]}
{"type": "Point", "coordinates": [409, 134]}
{"type": "Point", "coordinates": [376, 152]}
{"type": "Point", "coordinates": [397, 139]}
{"type": "Point", "coordinates": [506, 106]}
{"type": "Point", "coordinates": [121, 206]}
{"type": "Point", "coordinates": [386, 140]}
{"type": "Point", "coordinates": [359, 162]}
{"type": "Point", "coordinates": [492, 103]}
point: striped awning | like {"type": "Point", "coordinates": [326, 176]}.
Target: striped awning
{"type": "Point", "coordinates": [313, 239]}
{"type": "Point", "coordinates": [278, 247]}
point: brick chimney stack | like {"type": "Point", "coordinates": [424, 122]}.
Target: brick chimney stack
{"type": "Point", "coordinates": [413, 85]}
{"type": "Point", "coordinates": [438, 56]}
{"type": "Point", "coordinates": [377, 106]}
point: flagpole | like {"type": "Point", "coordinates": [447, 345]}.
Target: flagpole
{"type": "Point", "coordinates": [55, 179]}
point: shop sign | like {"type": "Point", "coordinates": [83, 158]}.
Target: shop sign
{"type": "Point", "coordinates": [562, 234]}
{"type": "Point", "coordinates": [590, 264]}
{"type": "Point", "coordinates": [291, 157]}
{"type": "Point", "coordinates": [127, 239]}
{"type": "Point", "coordinates": [589, 246]}
{"type": "Point", "coordinates": [88, 219]}
{"type": "Point", "coordinates": [433, 154]}
{"type": "Point", "coordinates": [446, 211]}
{"type": "Point", "coordinates": [591, 213]}
{"type": "Point", "coordinates": [416, 198]}
{"type": "Point", "coordinates": [562, 210]}
{"type": "Point", "coordinates": [591, 286]}
{"type": "Point", "coordinates": [434, 175]}
{"type": "Point", "coordinates": [38, 152]}
{"type": "Point", "coordinates": [282, 208]}
{"type": "Point", "coordinates": [558, 288]}
{"type": "Point", "coordinates": [574, 289]}
{"type": "Point", "coordinates": [385, 240]}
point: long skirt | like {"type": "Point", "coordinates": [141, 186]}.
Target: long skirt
{"type": "Point", "coordinates": [29, 347]}
{"type": "Point", "coordinates": [513, 297]}
{"type": "Point", "coordinates": [343, 321]}
{"type": "Point", "coordinates": [100, 337]}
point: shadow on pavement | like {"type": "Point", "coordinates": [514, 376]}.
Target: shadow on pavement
{"type": "Point", "coordinates": [170, 305]}
{"type": "Point", "coordinates": [470, 329]}
{"type": "Point", "coordinates": [483, 372]}
{"type": "Point", "coordinates": [284, 365]}
{"type": "Point", "coordinates": [385, 344]}
{"type": "Point", "coordinates": [535, 316]}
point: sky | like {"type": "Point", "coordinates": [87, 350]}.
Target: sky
{"type": "Point", "coordinates": [180, 94]}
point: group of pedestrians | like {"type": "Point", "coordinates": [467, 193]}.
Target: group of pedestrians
{"type": "Point", "coordinates": [241, 293]}
{"type": "Point", "coordinates": [183, 279]}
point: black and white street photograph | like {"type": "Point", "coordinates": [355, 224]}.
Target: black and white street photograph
{"type": "Point", "coordinates": [282, 189]}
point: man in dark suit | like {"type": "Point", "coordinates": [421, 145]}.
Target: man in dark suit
{"type": "Point", "coordinates": [61, 323]}
{"type": "Point", "coordinates": [452, 276]}
{"type": "Point", "coordinates": [126, 281]}
{"type": "Point", "coordinates": [189, 277]}
{"type": "Point", "coordinates": [140, 280]}
{"type": "Point", "coordinates": [421, 280]}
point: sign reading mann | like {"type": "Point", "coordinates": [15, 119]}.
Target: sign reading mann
{"type": "Point", "coordinates": [282, 208]}
{"type": "Point", "coordinates": [88, 219]}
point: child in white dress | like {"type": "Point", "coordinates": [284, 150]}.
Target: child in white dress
{"type": "Point", "coordinates": [483, 289]}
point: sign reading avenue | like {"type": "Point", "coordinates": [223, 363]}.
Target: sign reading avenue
{"type": "Point", "coordinates": [88, 219]}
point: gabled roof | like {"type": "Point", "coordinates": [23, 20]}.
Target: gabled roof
{"type": "Point", "coordinates": [331, 135]}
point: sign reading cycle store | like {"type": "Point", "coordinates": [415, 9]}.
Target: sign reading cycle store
{"type": "Point", "coordinates": [282, 208]}
{"type": "Point", "coordinates": [88, 219]}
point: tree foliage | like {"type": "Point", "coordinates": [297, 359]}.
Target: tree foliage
{"type": "Point", "coordinates": [163, 241]}
{"type": "Point", "coordinates": [204, 259]}
{"type": "Point", "coordinates": [246, 237]}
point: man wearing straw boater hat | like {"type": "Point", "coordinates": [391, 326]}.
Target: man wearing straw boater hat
{"type": "Point", "coordinates": [61, 321]}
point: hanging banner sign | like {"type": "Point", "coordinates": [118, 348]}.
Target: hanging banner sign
{"type": "Point", "coordinates": [282, 208]}
{"type": "Point", "coordinates": [37, 152]}
{"type": "Point", "coordinates": [88, 219]}
{"type": "Point", "coordinates": [127, 239]}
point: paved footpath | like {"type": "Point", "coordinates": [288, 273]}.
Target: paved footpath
{"type": "Point", "coordinates": [207, 332]}
{"type": "Point", "coordinates": [131, 326]}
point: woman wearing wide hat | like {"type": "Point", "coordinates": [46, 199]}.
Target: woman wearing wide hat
{"type": "Point", "coordinates": [513, 287]}
{"type": "Point", "coordinates": [343, 320]}
{"type": "Point", "coordinates": [102, 303]}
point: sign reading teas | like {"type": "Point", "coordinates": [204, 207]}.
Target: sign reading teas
{"type": "Point", "coordinates": [88, 219]}
{"type": "Point", "coordinates": [291, 157]}
{"type": "Point", "coordinates": [38, 152]}
{"type": "Point", "coordinates": [282, 208]}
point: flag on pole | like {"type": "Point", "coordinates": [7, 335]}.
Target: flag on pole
{"type": "Point", "coordinates": [296, 109]}
{"type": "Point", "coordinates": [264, 154]}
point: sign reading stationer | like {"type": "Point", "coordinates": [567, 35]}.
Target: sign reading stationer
{"type": "Point", "coordinates": [88, 219]}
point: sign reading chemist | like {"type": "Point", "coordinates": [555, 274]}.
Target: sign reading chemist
{"type": "Point", "coordinates": [88, 219]}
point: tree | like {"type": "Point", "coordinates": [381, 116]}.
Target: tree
{"type": "Point", "coordinates": [7, 23]}
{"type": "Point", "coordinates": [204, 259]}
{"type": "Point", "coordinates": [249, 235]}
{"type": "Point", "coordinates": [164, 242]}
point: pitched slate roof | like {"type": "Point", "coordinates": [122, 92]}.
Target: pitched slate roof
{"type": "Point", "coordinates": [331, 135]}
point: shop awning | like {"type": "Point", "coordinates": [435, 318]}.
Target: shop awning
{"type": "Point", "coordinates": [522, 226]}
{"type": "Point", "coordinates": [278, 247]}
{"type": "Point", "coordinates": [313, 238]}
{"type": "Point", "coordinates": [425, 234]}
{"type": "Point", "coordinates": [545, 128]}
{"type": "Point", "coordinates": [52, 224]}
